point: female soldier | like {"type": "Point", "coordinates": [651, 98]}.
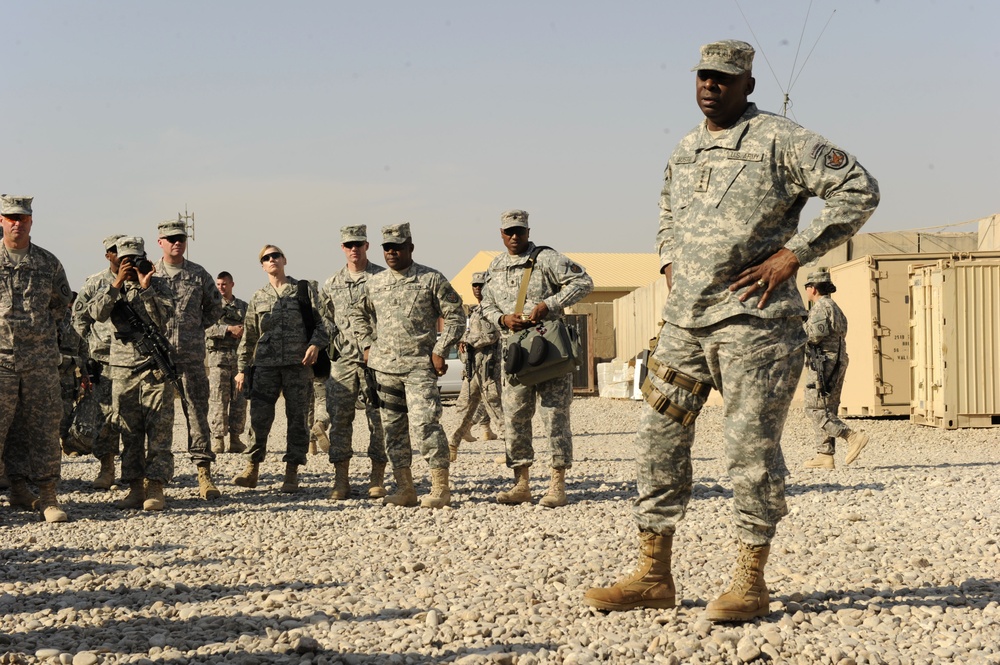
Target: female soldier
{"type": "Point", "coordinates": [278, 350]}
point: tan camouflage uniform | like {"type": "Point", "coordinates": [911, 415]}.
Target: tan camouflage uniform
{"type": "Point", "coordinates": [199, 306]}
{"type": "Point", "coordinates": [347, 381]}
{"type": "Point", "coordinates": [143, 403]}
{"type": "Point", "coordinates": [397, 318]}
{"type": "Point", "coordinates": [560, 283]}
{"type": "Point", "coordinates": [730, 202]}
{"type": "Point", "coordinates": [34, 294]}
{"type": "Point", "coordinates": [274, 341]}
{"type": "Point", "coordinates": [98, 335]}
{"type": "Point", "coordinates": [227, 407]}
{"type": "Point", "coordinates": [480, 394]}
{"type": "Point", "coordinates": [826, 329]}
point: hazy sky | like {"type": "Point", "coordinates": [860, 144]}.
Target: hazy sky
{"type": "Point", "coordinates": [281, 122]}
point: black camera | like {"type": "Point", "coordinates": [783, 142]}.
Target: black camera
{"type": "Point", "coordinates": [143, 265]}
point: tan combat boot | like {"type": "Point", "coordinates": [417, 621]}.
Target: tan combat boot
{"type": "Point", "coordinates": [440, 495]}
{"type": "Point", "coordinates": [747, 597]}
{"type": "Point", "coordinates": [21, 495]}
{"type": "Point", "coordinates": [249, 476]}
{"type": "Point", "coordinates": [135, 497]}
{"type": "Point", "coordinates": [341, 480]}
{"type": "Point", "coordinates": [376, 481]}
{"type": "Point", "coordinates": [320, 439]}
{"type": "Point", "coordinates": [154, 496]}
{"type": "Point", "coordinates": [821, 461]}
{"type": "Point", "coordinates": [651, 585]}
{"type": "Point", "coordinates": [405, 495]}
{"type": "Point", "coordinates": [856, 442]}
{"type": "Point", "coordinates": [218, 445]}
{"type": "Point", "coordinates": [521, 492]}
{"type": "Point", "coordinates": [555, 496]}
{"type": "Point", "coordinates": [290, 483]}
{"type": "Point", "coordinates": [453, 444]}
{"type": "Point", "coordinates": [106, 476]}
{"type": "Point", "coordinates": [206, 488]}
{"type": "Point", "coordinates": [235, 444]}
{"type": "Point", "coordinates": [487, 434]}
{"type": "Point", "coordinates": [48, 502]}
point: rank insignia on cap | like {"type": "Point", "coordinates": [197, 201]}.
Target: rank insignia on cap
{"type": "Point", "coordinates": [835, 159]}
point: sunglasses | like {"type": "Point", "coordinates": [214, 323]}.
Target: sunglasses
{"type": "Point", "coordinates": [393, 246]}
{"type": "Point", "coordinates": [273, 256]}
{"type": "Point", "coordinates": [515, 231]}
{"type": "Point", "coordinates": [353, 245]}
{"type": "Point", "coordinates": [173, 240]}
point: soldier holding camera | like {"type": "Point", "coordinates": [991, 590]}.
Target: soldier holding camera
{"type": "Point", "coordinates": [142, 397]}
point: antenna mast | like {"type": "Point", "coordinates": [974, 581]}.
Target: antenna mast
{"type": "Point", "coordinates": [188, 220]}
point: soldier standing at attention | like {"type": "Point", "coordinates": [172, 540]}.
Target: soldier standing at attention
{"type": "Point", "coordinates": [199, 307]}
{"type": "Point", "coordinates": [277, 345]}
{"type": "Point", "coordinates": [481, 346]}
{"type": "Point", "coordinates": [347, 367]}
{"type": "Point", "coordinates": [227, 407]}
{"type": "Point", "coordinates": [556, 283]}
{"type": "Point", "coordinates": [395, 322]}
{"type": "Point", "coordinates": [143, 400]}
{"type": "Point", "coordinates": [98, 336]}
{"type": "Point", "coordinates": [729, 244]}
{"type": "Point", "coordinates": [34, 294]}
{"type": "Point", "coordinates": [826, 329]}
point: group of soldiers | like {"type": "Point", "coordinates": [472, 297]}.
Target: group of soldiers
{"type": "Point", "coordinates": [140, 334]}
{"type": "Point", "coordinates": [729, 244]}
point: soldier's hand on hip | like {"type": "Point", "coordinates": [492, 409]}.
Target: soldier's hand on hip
{"type": "Point", "coordinates": [766, 276]}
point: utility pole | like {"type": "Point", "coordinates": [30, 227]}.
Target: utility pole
{"type": "Point", "coordinates": [188, 220]}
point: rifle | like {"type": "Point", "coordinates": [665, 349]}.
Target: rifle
{"type": "Point", "coordinates": [470, 361]}
{"type": "Point", "coordinates": [816, 360]}
{"type": "Point", "coordinates": [150, 343]}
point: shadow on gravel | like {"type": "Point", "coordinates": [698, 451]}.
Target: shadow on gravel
{"type": "Point", "coordinates": [794, 489]}
{"type": "Point", "coordinates": [943, 465]}
{"type": "Point", "coordinates": [31, 566]}
{"type": "Point", "coordinates": [970, 593]}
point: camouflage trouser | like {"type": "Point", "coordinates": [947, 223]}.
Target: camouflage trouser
{"type": "Point", "coordinates": [422, 419]}
{"type": "Point", "coordinates": [756, 364]}
{"type": "Point", "coordinates": [144, 413]}
{"type": "Point", "coordinates": [106, 442]}
{"type": "Point", "coordinates": [317, 406]}
{"type": "Point", "coordinates": [295, 383]}
{"type": "Point", "coordinates": [823, 410]}
{"type": "Point", "coordinates": [480, 396]}
{"type": "Point", "coordinates": [227, 407]}
{"type": "Point", "coordinates": [553, 398]}
{"type": "Point", "coordinates": [29, 425]}
{"type": "Point", "coordinates": [69, 387]}
{"type": "Point", "coordinates": [346, 384]}
{"type": "Point", "coordinates": [196, 396]}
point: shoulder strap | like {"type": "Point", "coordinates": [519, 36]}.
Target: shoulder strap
{"type": "Point", "coordinates": [522, 292]}
{"type": "Point", "coordinates": [305, 306]}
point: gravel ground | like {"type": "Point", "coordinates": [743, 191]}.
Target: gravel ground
{"type": "Point", "coordinates": [893, 560]}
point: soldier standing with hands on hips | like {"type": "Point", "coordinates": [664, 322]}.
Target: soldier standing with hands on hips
{"type": "Point", "coordinates": [729, 245]}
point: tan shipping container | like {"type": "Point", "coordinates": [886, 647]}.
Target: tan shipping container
{"type": "Point", "coordinates": [874, 293]}
{"type": "Point", "coordinates": [955, 333]}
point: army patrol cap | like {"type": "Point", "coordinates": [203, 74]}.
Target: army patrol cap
{"type": "Point", "coordinates": [130, 246]}
{"type": "Point", "coordinates": [513, 218]}
{"type": "Point", "coordinates": [357, 233]}
{"type": "Point", "coordinates": [11, 204]}
{"type": "Point", "coordinates": [396, 234]}
{"type": "Point", "coordinates": [819, 276]}
{"type": "Point", "coordinates": [112, 241]}
{"type": "Point", "coordinates": [729, 56]}
{"type": "Point", "coordinates": [478, 278]}
{"type": "Point", "coordinates": [172, 228]}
